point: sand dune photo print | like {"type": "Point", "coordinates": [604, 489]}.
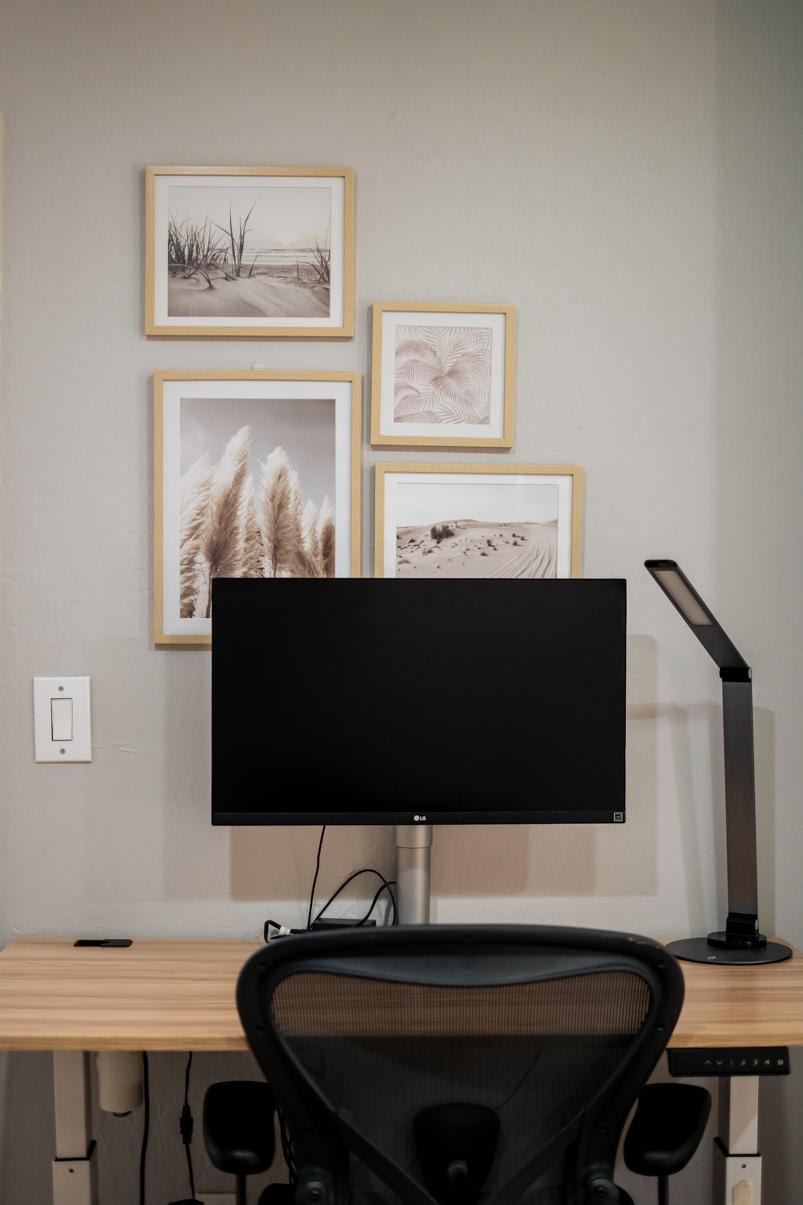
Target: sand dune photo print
{"type": "Point", "coordinates": [256, 251]}
{"type": "Point", "coordinates": [443, 374]}
{"type": "Point", "coordinates": [248, 252]}
{"type": "Point", "coordinates": [477, 521]}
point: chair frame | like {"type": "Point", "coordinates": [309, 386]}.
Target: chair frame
{"type": "Point", "coordinates": [321, 1138]}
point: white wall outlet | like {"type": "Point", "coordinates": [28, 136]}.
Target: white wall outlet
{"type": "Point", "coordinates": [62, 720]}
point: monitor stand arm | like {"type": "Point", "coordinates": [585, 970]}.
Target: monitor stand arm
{"type": "Point", "coordinates": [413, 849]}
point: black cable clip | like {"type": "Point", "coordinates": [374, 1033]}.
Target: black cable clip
{"type": "Point", "coordinates": [186, 1124]}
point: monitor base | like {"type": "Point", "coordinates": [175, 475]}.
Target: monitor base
{"type": "Point", "coordinates": [699, 949]}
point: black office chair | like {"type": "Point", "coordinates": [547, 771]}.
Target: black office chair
{"type": "Point", "coordinates": [441, 1065]}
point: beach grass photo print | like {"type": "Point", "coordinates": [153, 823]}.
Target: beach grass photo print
{"type": "Point", "coordinates": [249, 251]}
{"type": "Point", "coordinates": [477, 521]}
{"type": "Point", "coordinates": [443, 374]}
{"type": "Point", "coordinates": [256, 475]}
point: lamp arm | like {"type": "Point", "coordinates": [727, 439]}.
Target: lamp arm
{"type": "Point", "coordinates": [740, 941]}
{"type": "Point", "coordinates": [698, 615]}
{"type": "Point", "coordinates": [740, 806]}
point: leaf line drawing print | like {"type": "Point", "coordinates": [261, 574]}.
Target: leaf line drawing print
{"type": "Point", "coordinates": [442, 374]}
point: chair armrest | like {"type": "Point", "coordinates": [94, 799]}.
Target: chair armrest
{"type": "Point", "coordinates": [666, 1129]}
{"type": "Point", "coordinates": [277, 1194]}
{"type": "Point", "coordinates": [238, 1126]}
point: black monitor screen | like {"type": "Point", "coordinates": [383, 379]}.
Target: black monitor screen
{"type": "Point", "coordinates": [440, 701]}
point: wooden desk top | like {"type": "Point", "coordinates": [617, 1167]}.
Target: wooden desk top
{"type": "Point", "coordinates": [179, 995]}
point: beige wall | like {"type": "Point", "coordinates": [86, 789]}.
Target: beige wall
{"type": "Point", "coordinates": [628, 173]}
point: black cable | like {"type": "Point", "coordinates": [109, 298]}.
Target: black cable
{"type": "Point", "coordinates": [386, 886]}
{"type": "Point", "coordinates": [287, 1147]}
{"type": "Point", "coordinates": [355, 874]}
{"type": "Point", "coordinates": [185, 1124]}
{"type": "Point", "coordinates": [189, 1169]}
{"type": "Point", "coordinates": [146, 1125]}
{"type": "Point", "coordinates": [315, 877]}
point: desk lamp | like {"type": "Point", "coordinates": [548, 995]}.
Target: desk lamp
{"type": "Point", "coordinates": [741, 941]}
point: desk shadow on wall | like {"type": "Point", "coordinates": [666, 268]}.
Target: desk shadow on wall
{"type": "Point", "coordinates": [194, 858]}
{"type": "Point", "coordinates": [279, 863]}
{"type": "Point", "coordinates": [490, 860]}
{"type": "Point", "coordinates": [250, 863]}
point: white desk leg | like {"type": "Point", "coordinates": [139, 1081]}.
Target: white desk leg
{"type": "Point", "coordinates": [737, 1163]}
{"type": "Point", "coordinates": [75, 1164]}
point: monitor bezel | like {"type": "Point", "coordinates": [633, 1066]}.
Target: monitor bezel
{"type": "Point", "coordinates": [345, 817]}
{"type": "Point", "coordinates": [294, 819]}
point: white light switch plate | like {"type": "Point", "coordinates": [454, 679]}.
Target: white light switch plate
{"type": "Point", "coordinates": [73, 725]}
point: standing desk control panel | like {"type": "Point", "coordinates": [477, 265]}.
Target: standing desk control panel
{"type": "Point", "coordinates": [730, 1061]}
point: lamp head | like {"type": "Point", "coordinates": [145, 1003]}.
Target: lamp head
{"type": "Point", "coordinates": [682, 594]}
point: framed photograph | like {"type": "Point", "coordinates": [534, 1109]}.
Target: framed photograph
{"type": "Point", "coordinates": [249, 252]}
{"type": "Point", "coordinates": [465, 520]}
{"type": "Point", "coordinates": [443, 375]}
{"type": "Point", "coordinates": [256, 474]}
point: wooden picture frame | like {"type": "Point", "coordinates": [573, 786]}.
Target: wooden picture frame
{"type": "Point", "coordinates": [232, 450]}
{"type": "Point", "coordinates": [443, 374]}
{"type": "Point", "coordinates": [431, 521]}
{"type": "Point", "coordinates": [230, 253]}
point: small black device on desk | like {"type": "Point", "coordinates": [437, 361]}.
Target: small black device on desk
{"type": "Point", "coordinates": [117, 943]}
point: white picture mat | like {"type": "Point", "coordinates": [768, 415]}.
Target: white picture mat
{"type": "Point", "coordinates": [456, 487]}
{"type": "Point", "coordinates": [337, 187]}
{"type": "Point", "coordinates": [172, 394]}
{"type": "Point", "coordinates": [391, 321]}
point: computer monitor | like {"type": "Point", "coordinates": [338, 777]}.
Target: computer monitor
{"type": "Point", "coordinates": [455, 701]}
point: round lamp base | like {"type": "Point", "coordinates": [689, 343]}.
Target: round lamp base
{"type": "Point", "coordinates": [699, 949]}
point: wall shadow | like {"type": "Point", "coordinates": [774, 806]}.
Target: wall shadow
{"type": "Point", "coordinates": [758, 372]}
{"type": "Point", "coordinates": [764, 738]}
{"type": "Point", "coordinates": [202, 862]}
{"type": "Point", "coordinates": [569, 860]}
{"type": "Point", "coordinates": [28, 1137]}
{"type": "Point", "coordinates": [279, 863]}
{"type": "Point", "coordinates": [206, 863]}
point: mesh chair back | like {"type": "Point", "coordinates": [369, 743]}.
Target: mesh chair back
{"type": "Point", "coordinates": [553, 1030]}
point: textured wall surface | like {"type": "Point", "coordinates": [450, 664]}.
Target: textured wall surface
{"type": "Point", "coordinates": [628, 173]}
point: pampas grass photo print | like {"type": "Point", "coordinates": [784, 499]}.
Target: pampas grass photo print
{"type": "Point", "coordinates": [256, 474]}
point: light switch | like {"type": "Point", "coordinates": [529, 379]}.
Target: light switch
{"type": "Point", "coordinates": [62, 721]}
